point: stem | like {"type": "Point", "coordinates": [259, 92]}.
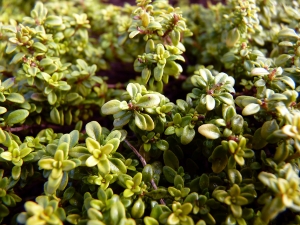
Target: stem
{"type": "Point", "coordinates": [144, 163]}
{"type": "Point", "coordinates": [294, 156]}
{"type": "Point", "coordinates": [115, 86]}
{"type": "Point", "coordinates": [26, 127]}
{"type": "Point", "coordinates": [141, 158]}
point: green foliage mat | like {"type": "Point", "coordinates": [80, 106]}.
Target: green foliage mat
{"type": "Point", "coordinates": [150, 113]}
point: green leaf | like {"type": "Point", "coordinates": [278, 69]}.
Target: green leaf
{"type": "Point", "coordinates": [259, 72]}
{"type": "Point", "coordinates": [4, 211]}
{"type": "Point", "coordinates": [46, 62]}
{"type": "Point", "coordinates": [170, 159]}
{"type": "Point", "coordinates": [123, 120]}
{"type": "Point", "coordinates": [149, 122]}
{"type": "Point", "coordinates": [133, 89]}
{"type": "Point", "coordinates": [226, 98]}
{"type": "Point", "coordinates": [68, 165]}
{"type": "Point", "coordinates": [210, 102]}
{"type": "Point", "coordinates": [229, 57]}
{"type": "Point", "coordinates": [55, 116]}
{"type": "Point", "coordinates": [258, 141]}
{"type": "Point", "coordinates": [2, 97]}
{"type": "Point", "coordinates": [94, 130]}
{"type": "Point", "coordinates": [137, 179]}
{"type": "Point", "coordinates": [236, 210]}
{"type": "Point", "coordinates": [175, 37]}
{"type": "Point", "coordinates": [268, 128]}
{"type": "Point", "coordinates": [234, 176]}
{"type": "Point", "coordinates": [116, 134]}
{"type": "Point", "coordinates": [219, 159]}
{"type": "Point", "coordinates": [209, 131]}
{"type": "Point", "coordinates": [138, 208]}
{"type": "Point", "coordinates": [251, 109]}
{"type": "Point", "coordinates": [78, 151]}
{"type": "Point", "coordinates": [38, 97]}
{"type": "Point", "coordinates": [82, 64]}
{"type": "Point", "coordinates": [8, 83]}
{"type": "Point", "coordinates": [282, 59]}
{"type": "Point", "coordinates": [204, 181]}
{"type": "Point", "coordinates": [153, 25]}
{"type": "Point", "coordinates": [169, 174]}
{"type": "Point", "coordinates": [288, 81]}
{"type": "Point", "coordinates": [46, 164]}
{"type": "Point", "coordinates": [158, 73]}
{"type": "Point", "coordinates": [187, 136]}
{"type": "Point", "coordinates": [282, 152]}
{"type": "Point", "coordinates": [53, 21]}
{"type": "Point", "coordinates": [186, 208]}
{"type": "Point", "coordinates": [10, 48]}
{"type": "Point", "coordinates": [148, 101]}
{"type": "Point", "coordinates": [92, 144]}
{"type": "Point", "coordinates": [162, 145]}
{"type": "Point", "coordinates": [69, 193]}
{"type": "Point", "coordinates": [16, 172]}
{"type": "Point", "coordinates": [288, 32]}
{"type": "Point", "coordinates": [25, 151]}
{"type": "Point", "coordinates": [170, 130]}
{"type": "Point", "coordinates": [277, 97]}
{"type": "Point", "coordinates": [92, 161]}
{"type": "Point", "coordinates": [150, 221]}
{"type": "Point", "coordinates": [115, 142]}
{"type": "Point", "coordinates": [2, 110]}
{"type": "Point", "coordinates": [150, 46]}
{"type": "Point", "coordinates": [202, 222]}
{"type": "Point", "coordinates": [2, 139]}
{"type": "Point", "coordinates": [133, 33]}
{"type": "Point", "coordinates": [220, 195]}
{"type": "Point", "coordinates": [117, 166]}
{"type": "Point", "coordinates": [146, 74]}
{"type": "Point", "coordinates": [94, 214]}
{"type": "Point", "coordinates": [17, 58]}
{"type": "Point", "coordinates": [157, 194]}
{"type": "Point", "coordinates": [172, 68]}
{"type": "Point", "coordinates": [111, 107]}
{"type": "Point", "coordinates": [173, 219]}
{"type": "Point", "coordinates": [103, 167]}
{"type": "Point", "coordinates": [237, 123]}
{"type": "Point", "coordinates": [178, 181]}
{"type": "Point", "coordinates": [72, 218]}
{"type": "Point", "coordinates": [147, 173]}
{"type": "Point", "coordinates": [117, 212]}
{"type": "Point", "coordinates": [17, 116]}
{"type": "Point", "coordinates": [233, 37]}
{"type": "Point", "coordinates": [140, 121]}
{"type": "Point", "coordinates": [39, 46]}
{"type": "Point", "coordinates": [52, 98]}
{"type": "Point", "coordinates": [177, 119]}
{"type": "Point", "coordinates": [74, 137]}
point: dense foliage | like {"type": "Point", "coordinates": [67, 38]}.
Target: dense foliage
{"type": "Point", "coordinates": [149, 113]}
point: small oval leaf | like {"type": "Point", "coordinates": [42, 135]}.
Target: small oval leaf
{"type": "Point", "coordinates": [209, 131]}
{"type": "Point", "coordinates": [17, 116]}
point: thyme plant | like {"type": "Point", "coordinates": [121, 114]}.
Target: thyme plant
{"type": "Point", "coordinates": [149, 113]}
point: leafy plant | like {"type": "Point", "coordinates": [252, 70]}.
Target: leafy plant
{"type": "Point", "coordinates": [153, 113]}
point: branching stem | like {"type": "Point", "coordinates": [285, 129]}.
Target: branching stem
{"type": "Point", "coordinates": [27, 127]}
{"type": "Point", "coordinates": [294, 156]}
{"type": "Point", "coordinates": [144, 163]}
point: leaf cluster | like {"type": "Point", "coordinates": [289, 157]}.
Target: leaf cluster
{"type": "Point", "coordinates": [76, 147]}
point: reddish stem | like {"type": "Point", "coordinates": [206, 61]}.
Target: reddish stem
{"type": "Point", "coordinates": [144, 163]}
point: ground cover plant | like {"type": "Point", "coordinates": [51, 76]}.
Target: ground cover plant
{"type": "Point", "coordinates": [151, 113]}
